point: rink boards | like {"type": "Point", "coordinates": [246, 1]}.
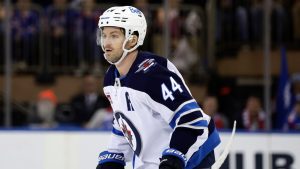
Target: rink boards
{"type": "Point", "coordinates": [78, 149]}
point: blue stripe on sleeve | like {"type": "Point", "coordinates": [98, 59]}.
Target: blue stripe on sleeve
{"type": "Point", "coordinates": [117, 132]}
{"type": "Point", "coordinates": [201, 123]}
{"type": "Point", "coordinates": [187, 107]}
{"type": "Point", "coordinates": [212, 142]}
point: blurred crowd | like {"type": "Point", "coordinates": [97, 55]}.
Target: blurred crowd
{"type": "Point", "coordinates": [87, 108]}
{"type": "Point", "coordinates": [61, 33]}
{"type": "Point", "coordinates": [60, 36]}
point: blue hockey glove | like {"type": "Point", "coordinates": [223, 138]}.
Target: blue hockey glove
{"type": "Point", "coordinates": [172, 159]}
{"type": "Point", "coordinates": [109, 160]}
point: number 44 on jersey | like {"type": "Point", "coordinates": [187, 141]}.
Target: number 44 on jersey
{"type": "Point", "coordinates": [166, 93]}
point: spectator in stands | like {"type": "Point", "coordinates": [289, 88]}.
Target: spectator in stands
{"type": "Point", "coordinates": [257, 15]}
{"type": "Point", "coordinates": [88, 101]}
{"type": "Point", "coordinates": [25, 31]}
{"type": "Point", "coordinates": [210, 107]}
{"type": "Point", "coordinates": [232, 26]}
{"type": "Point", "coordinates": [2, 19]}
{"type": "Point", "coordinates": [294, 117]}
{"type": "Point", "coordinates": [44, 114]}
{"type": "Point", "coordinates": [2, 16]}
{"type": "Point", "coordinates": [63, 27]}
{"type": "Point", "coordinates": [144, 6]}
{"type": "Point", "coordinates": [296, 20]}
{"type": "Point", "coordinates": [253, 116]}
{"type": "Point", "coordinates": [186, 54]}
{"type": "Point", "coordinates": [242, 16]}
{"type": "Point", "coordinates": [175, 21]}
{"type": "Point", "coordinates": [89, 55]}
{"type": "Point", "coordinates": [279, 22]}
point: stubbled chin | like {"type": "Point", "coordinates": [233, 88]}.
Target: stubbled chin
{"type": "Point", "coordinates": [108, 56]}
{"type": "Point", "coordinates": [111, 59]}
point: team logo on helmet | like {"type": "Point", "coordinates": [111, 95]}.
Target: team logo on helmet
{"type": "Point", "coordinates": [135, 10]}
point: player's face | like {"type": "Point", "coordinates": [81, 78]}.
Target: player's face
{"type": "Point", "coordinates": [112, 41]}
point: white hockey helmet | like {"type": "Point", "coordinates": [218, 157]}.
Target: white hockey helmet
{"type": "Point", "coordinates": [130, 19]}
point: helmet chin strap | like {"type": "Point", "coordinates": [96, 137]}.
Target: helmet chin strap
{"type": "Point", "coordinates": [124, 54]}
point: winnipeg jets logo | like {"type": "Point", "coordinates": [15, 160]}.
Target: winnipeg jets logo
{"type": "Point", "coordinates": [127, 133]}
{"type": "Point", "coordinates": [130, 132]}
{"type": "Point", "coordinates": [145, 65]}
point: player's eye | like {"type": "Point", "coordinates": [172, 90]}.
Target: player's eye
{"type": "Point", "coordinates": [114, 36]}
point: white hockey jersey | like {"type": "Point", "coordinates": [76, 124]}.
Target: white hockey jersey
{"type": "Point", "coordinates": [153, 111]}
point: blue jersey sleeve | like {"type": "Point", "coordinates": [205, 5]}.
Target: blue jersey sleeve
{"type": "Point", "coordinates": [167, 88]}
{"type": "Point", "coordinates": [165, 85]}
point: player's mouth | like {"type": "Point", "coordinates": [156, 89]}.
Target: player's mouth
{"type": "Point", "coordinates": [108, 50]}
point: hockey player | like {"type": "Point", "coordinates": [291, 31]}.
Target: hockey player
{"type": "Point", "coordinates": [157, 123]}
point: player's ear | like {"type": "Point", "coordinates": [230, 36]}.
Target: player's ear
{"type": "Point", "coordinates": [130, 38]}
{"type": "Point", "coordinates": [132, 41]}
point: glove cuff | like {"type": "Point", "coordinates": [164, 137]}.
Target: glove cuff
{"type": "Point", "coordinates": [176, 153]}
{"type": "Point", "coordinates": [109, 157]}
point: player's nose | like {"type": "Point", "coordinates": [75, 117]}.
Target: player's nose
{"type": "Point", "coordinates": [107, 44]}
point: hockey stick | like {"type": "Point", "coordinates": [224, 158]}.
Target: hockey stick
{"type": "Point", "coordinates": [223, 156]}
